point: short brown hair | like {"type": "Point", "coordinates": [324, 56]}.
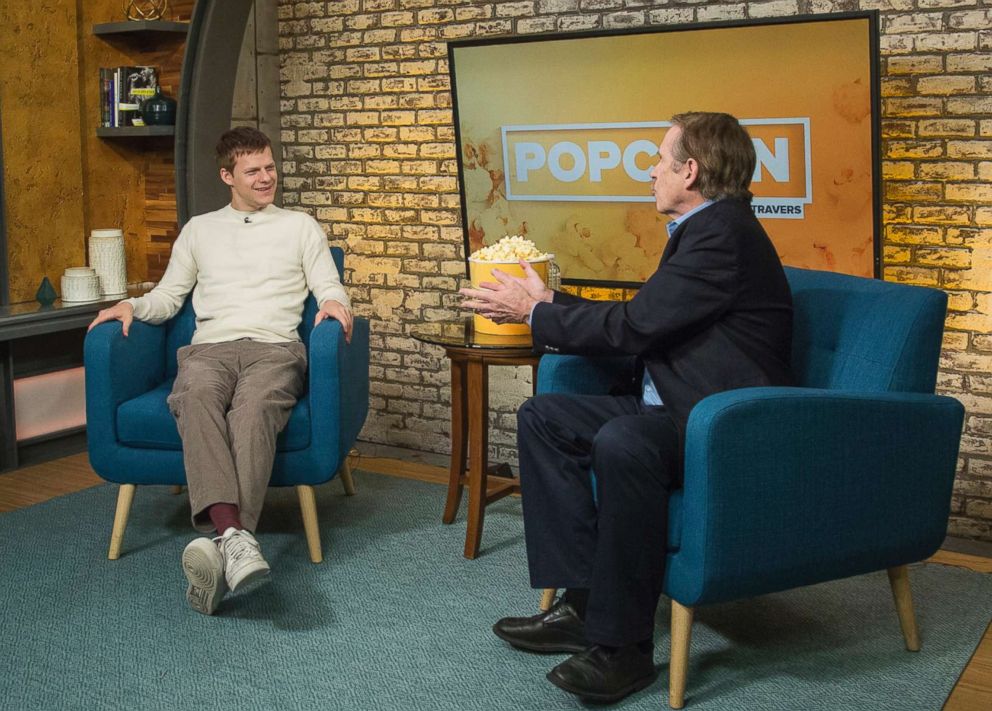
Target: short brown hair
{"type": "Point", "coordinates": [240, 141]}
{"type": "Point", "coordinates": [723, 150]}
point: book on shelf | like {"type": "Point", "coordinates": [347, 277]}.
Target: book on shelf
{"type": "Point", "coordinates": [106, 92]}
{"type": "Point", "coordinates": [122, 90]}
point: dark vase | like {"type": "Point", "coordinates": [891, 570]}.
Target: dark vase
{"type": "Point", "coordinates": [46, 293]}
{"type": "Point", "coordinates": [159, 110]}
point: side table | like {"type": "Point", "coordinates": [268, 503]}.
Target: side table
{"type": "Point", "coordinates": [471, 354]}
{"type": "Point", "coordinates": [32, 320]}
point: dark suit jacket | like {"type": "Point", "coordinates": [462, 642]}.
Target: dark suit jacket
{"type": "Point", "coordinates": [716, 314]}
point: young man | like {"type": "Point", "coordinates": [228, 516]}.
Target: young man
{"type": "Point", "coordinates": [250, 266]}
{"type": "Point", "coordinates": [716, 315]}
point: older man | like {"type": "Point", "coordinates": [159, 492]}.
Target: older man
{"type": "Point", "coordinates": [597, 471]}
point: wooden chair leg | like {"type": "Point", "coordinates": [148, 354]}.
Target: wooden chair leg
{"type": "Point", "coordinates": [125, 495]}
{"type": "Point", "coordinates": [679, 662]}
{"type": "Point", "coordinates": [548, 598]}
{"type": "Point", "coordinates": [345, 473]}
{"type": "Point", "coordinates": [899, 580]}
{"type": "Point", "coordinates": [308, 507]}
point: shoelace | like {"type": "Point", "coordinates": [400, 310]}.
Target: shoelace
{"type": "Point", "coordinates": [239, 546]}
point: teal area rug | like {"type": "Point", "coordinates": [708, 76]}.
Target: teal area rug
{"type": "Point", "coordinates": [395, 618]}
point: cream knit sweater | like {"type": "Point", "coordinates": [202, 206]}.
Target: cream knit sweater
{"type": "Point", "coordinates": [249, 279]}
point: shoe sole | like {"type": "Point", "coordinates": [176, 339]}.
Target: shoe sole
{"type": "Point", "coordinates": [541, 648]}
{"type": "Point", "coordinates": [594, 698]}
{"type": "Point", "coordinates": [249, 579]}
{"type": "Point", "coordinates": [205, 573]}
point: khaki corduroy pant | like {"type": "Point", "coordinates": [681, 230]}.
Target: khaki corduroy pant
{"type": "Point", "coordinates": [231, 400]}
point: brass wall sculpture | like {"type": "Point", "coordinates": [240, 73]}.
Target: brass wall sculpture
{"type": "Point", "coordinates": [145, 9]}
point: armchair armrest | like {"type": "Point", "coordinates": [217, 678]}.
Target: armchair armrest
{"type": "Point", "coordinates": [579, 375]}
{"type": "Point", "coordinates": [339, 387]}
{"type": "Point", "coordinates": [793, 486]}
{"type": "Point", "coordinates": [118, 369]}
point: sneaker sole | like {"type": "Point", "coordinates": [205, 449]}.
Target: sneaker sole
{"type": "Point", "coordinates": [594, 698]}
{"type": "Point", "coordinates": [249, 579]}
{"type": "Point", "coordinates": [206, 578]}
{"type": "Point", "coordinates": [541, 647]}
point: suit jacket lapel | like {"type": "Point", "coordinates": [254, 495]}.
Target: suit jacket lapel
{"type": "Point", "coordinates": [673, 242]}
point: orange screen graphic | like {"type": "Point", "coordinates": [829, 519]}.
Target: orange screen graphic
{"type": "Point", "coordinates": [557, 138]}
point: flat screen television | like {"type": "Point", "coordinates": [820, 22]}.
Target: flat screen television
{"type": "Point", "coordinates": [556, 136]}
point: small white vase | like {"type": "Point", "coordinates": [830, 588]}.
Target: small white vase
{"type": "Point", "coordinates": [80, 284]}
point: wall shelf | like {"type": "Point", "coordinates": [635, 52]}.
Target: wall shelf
{"type": "Point", "coordinates": [134, 131]}
{"type": "Point", "coordinates": [141, 27]}
{"type": "Point", "coordinates": [143, 30]}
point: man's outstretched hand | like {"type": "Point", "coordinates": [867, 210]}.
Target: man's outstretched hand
{"type": "Point", "coordinates": [122, 312]}
{"type": "Point", "coordinates": [338, 311]}
{"type": "Point", "coordinates": [509, 299]}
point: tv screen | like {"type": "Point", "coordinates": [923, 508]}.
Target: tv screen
{"type": "Point", "coordinates": [557, 136]}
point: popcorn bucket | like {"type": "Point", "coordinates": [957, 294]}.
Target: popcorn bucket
{"type": "Point", "coordinates": [481, 271]}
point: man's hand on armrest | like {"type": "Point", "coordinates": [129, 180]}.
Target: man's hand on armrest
{"type": "Point", "coordinates": [122, 312]}
{"type": "Point", "coordinates": [336, 310]}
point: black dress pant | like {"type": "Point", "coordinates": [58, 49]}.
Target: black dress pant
{"type": "Point", "coordinates": [595, 477]}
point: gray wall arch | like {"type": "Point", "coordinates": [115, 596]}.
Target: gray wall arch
{"type": "Point", "coordinates": [206, 93]}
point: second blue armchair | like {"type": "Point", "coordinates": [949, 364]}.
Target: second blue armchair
{"type": "Point", "coordinates": [847, 473]}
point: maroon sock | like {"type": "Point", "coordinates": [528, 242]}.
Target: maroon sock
{"type": "Point", "coordinates": [224, 516]}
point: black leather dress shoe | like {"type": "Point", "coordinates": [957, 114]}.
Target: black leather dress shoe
{"type": "Point", "coordinates": [558, 630]}
{"type": "Point", "coordinates": [605, 675]}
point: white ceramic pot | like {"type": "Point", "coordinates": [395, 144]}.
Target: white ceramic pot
{"type": "Point", "coordinates": [108, 259]}
{"type": "Point", "coordinates": [80, 284]}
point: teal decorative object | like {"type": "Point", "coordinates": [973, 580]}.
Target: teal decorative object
{"type": "Point", "coordinates": [159, 110]}
{"type": "Point", "coordinates": [46, 293]}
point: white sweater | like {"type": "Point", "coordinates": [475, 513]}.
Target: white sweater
{"type": "Point", "coordinates": [249, 279]}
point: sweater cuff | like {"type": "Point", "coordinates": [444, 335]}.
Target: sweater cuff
{"type": "Point", "coordinates": [339, 295]}
{"type": "Point", "coordinates": [137, 307]}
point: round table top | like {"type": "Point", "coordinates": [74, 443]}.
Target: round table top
{"type": "Point", "coordinates": [462, 334]}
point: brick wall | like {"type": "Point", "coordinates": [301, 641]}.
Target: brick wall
{"type": "Point", "coordinates": [369, 151]}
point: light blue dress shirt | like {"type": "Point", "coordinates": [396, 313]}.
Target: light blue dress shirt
{"type": "Point", "coordinates": [649, 393]}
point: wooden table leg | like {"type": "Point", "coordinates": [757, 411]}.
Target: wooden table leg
{"type": "Point", "coordinates": [459, 439]}
{"type": "Point", "coordinates": [478, 444]}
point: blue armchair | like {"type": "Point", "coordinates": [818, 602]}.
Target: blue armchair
{"type": "Point", "coordinates": [132, 437]}
{"type": "Point", "coordinates": [847, 473]}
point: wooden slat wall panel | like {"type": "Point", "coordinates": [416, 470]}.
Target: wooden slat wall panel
{"type": "Point", "coordinates": [160, 214]}
{"type": "Point", "coordinates": [160, 177]}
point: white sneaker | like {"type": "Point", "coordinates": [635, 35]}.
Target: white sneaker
{"type": "Point", "coordinates": [204, 568]}
{"type": "Point", "coordinates": [243, 561]}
